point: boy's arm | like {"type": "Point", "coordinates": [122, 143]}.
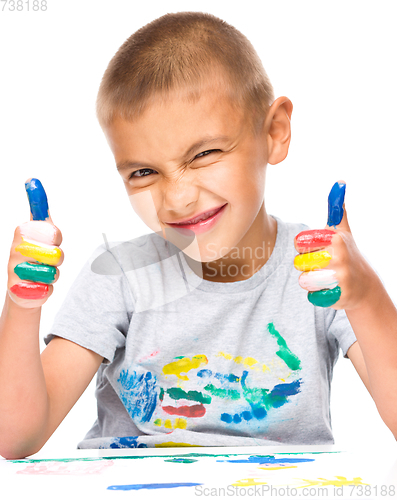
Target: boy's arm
{"type": "Point", "coordinates": [68, 369]}
{"type": "Point", "coordinates": [36, 392]}
{"type": "Point", "coordinates": [361, 294]}
{"type": "Point", "coordinates": [375, 326]}
{"type": "Point", "coordinates": [355, 355]}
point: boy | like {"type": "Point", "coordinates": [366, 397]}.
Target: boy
{"type": "Point", "coordinates": [199, 332]}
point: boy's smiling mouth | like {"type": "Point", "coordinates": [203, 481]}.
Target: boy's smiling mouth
{"type": "Point", "coordinates": [201, 223]}
{"type": "Point", "coordinates": [198, 218]}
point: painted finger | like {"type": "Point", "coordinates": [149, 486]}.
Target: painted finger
{"type": "Point", "coordinates": [313, 239]}
{"type": "Point", "coordinates": [39, 273]}
{"type": "Point", "coordinates": [39, 236]}
{"type": "Point", "coordinates": [312, 260]}
{"type": "Point", "coordinates": [313, 281]}
{"type": "Point", "coordinates": [41, 231]}
{"type": "Point", "coordinates": [336, 199]}
{"type": "Point", "coordinates": [325, 298]}
{"type": "Point", "coordinates": [37, 200]}
{"type": "Point", "coordinates": [30, 291]}
{"type": "Point", "coordinates": [42, 253]}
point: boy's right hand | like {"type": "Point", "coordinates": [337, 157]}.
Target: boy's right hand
{"type": "Point", "coordinates": [35, 253]}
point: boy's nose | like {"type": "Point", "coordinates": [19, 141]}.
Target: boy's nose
{"type": "Point", "coordinates": [178, 198]}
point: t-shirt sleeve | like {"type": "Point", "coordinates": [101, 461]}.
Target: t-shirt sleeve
{"type": "Point", "coordinates": [340, 331]}
{"type": "Point", "coordinates": [97, 309]}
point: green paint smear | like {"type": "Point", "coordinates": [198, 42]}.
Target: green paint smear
{"type": "Point", "coordinates": [35, 272]}
{"type": "Point", "coordinates": [260, 398]}
{"type": "Point", "coordinates": [177, 393]}
{"type": "Point", "coordinates": [290, 359]}
{"type": "Point", "coordinates": [131, 457]}
{"type": "Point", "coordinates": [181, 460]}
{"type": "Point", "coordinates": [325, 298]}
{"type": "Point", "coordinates": [222, 393]}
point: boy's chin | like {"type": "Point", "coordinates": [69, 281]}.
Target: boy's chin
{"type": "Point", "coordinates": [187, 242]}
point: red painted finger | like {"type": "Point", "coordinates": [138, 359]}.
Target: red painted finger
{"type": "Point", "coordinates": [313, 239]}
{"type": "Point", "coordinates": [25, 290]}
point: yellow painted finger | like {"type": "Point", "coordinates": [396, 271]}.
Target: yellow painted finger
{"type": "Point", "coordinates": [46, 254]}
{"type": "Point", "coordinates": [312, 260]}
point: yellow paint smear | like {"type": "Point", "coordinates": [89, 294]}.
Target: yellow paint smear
{"type": "Point", "coordinates": [171, 444]}
{"type": "Point", "coordinates": [312, 261]}
{"type": "Point", "coordinates": [247, 482]}
{"type": "Point", "coordinates": [184, 365]}
{"type": "Point", "coordinates": [339, 481]}
{"type": "Point", "coordinates": [45, 255]}
{"type": "Point", "coordinates": [247, 362]}
{"type": "Point", "coordinates": [180, 423]}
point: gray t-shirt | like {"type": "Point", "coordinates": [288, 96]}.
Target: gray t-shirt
{"type": "Point", "coordinates": [188, 361]}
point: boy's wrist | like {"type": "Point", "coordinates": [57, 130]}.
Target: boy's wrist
{"type": "Point", "coordinates": [374, 294]}
{"type": "Point", "coordinates": [13, 309]}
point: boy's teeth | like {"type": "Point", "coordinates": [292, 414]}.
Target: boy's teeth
{"type": "Point", "coordinates": [198, 219]}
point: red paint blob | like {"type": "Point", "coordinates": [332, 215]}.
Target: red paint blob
{"type": "Point", "coordinates": [30, 290]}
{"type": "Point", "coordinates": [313, 239]}
{"type": "Point", "coordinates": [186, 411]}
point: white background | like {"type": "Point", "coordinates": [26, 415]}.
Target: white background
{"type": "Point", "coordinates": [334, 60]}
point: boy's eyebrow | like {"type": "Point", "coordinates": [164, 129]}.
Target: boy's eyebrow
{"type": "Point", "coordinates": [124, 164]}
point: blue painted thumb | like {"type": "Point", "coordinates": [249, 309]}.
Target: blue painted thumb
{"type": "Point", "coordinates": [37, 199]}
{"type": "Point", "coordinates": [336, 199]}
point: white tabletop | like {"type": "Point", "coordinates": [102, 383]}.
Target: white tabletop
{"type": "Point", "coordinates": [267, 472]}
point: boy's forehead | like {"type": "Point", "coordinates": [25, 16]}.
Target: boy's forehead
{"type": "Point", "coordinates": [176, 123]}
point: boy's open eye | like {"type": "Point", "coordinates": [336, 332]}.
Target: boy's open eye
{"type": "Point", "coordinates": [141, 170]}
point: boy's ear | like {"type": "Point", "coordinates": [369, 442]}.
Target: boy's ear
{"type": "Point", "coordinates": [278, 129]}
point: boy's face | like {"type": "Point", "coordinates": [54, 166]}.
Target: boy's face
{"type": "Point", "coordinates": [181, 159]}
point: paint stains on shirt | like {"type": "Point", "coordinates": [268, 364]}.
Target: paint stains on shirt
{"type": "Point", "coordinates": [290, 359]}
{"type": "Point", "coordinates": [184, 365]}
{"type": "Point", "coordinates": [138, 393]}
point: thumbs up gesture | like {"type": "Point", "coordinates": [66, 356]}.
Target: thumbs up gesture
{"type": "Point", "coordinates": [35, 252]}
{"type": "Point", "coordinates": [335, 274]}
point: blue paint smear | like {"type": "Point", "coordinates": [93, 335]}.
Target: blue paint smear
{"type": "Point", "coordinates": [236, 419]}
{"type": "Point", "coordinates": [265, 400]}
{"type": "Point", "coordinates": [138, 394]}
{"type": "Point", "coordinates": [336, 198]}
{"type": "Point", "coordinates": [37, 199]}
{"type": "Point", "coordinates": [267, 459]}
{"type": "Point", "coordinates": [227, 377]}
{"type": "Point", "coordinates": [278, 395]}
{"type": "Point", "coordinates": [259, 413]}
{"type": "Point", "coordinates": [243, 379]}
{"type": "Point", "coordinates": [222, 377]}
{"type": "Point", "coordinates": [150, 486]}
{"type": "Point", "coordinates": [226, 417]}
{"type": "Point", "coordinates": [246, 415]}
{"type": "Point", "coordinates": [127, 442]}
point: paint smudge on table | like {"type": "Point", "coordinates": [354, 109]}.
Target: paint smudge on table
{"type": "Point", "coordinates": [151, 486]}
{"type": "Point", "coordinates": [70, 469]}
{"type": "Point", "coordinates": [178, 460]}
{"type": "Point", "coordinates": [267, 459]}
{"type": "Point", "coordinates": [339, 481]}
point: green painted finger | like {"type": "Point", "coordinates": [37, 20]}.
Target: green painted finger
{"type": "Point", "coordinates": [35, 272]}
{"type": "Point", "coordinates": [325, 298]}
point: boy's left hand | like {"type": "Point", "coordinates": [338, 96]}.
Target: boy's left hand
{"type": "Point", "coordinates": [335, 273]}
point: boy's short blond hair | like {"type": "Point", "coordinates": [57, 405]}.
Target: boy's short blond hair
{"type": "Point", "coordinates": [184, 51]}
